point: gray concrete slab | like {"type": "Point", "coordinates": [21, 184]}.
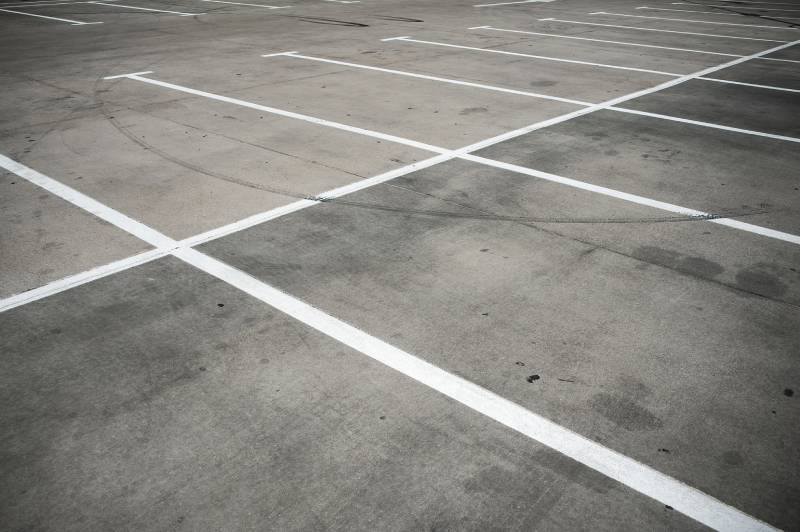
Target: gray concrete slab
{"type": "Point", "coordinates": [44, 238]}
{"type": "Point", "coordinates": [633, 354]}
{"type": "Point", "coordinates": [161, 398]}
{"type": "Point", "coordinates": [675, 340]}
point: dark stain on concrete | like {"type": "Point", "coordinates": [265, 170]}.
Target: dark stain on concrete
{"type": "Point", "coordinates": [625, 413]}
{"type": "Point", "coordinates": [678, 261]}
{"type": "Point", "coordinates": [759, 281]}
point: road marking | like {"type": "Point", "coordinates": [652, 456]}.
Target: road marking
{"type": "Point", "coordinates": [703, 12]}
{"type": "Point", "coordinates": [344, 1]}
{"type": "Point", "coordinates": [510, 3]}
{"type": "Point", "coordinates": [770, 87]}
{"type": "Point", "coordinates": [673, 118]}
{"type": "Point", "coordinates": [245, 4]}
{"type": "Point", "coordinates": [298, 55]}
{"type": "Point", "coordinates": [546, 58]}
{"type": "Point", "coordinates": [72, 281]}
{"type": "Point", "coordinates": [288, 114]}
{"type": "Point", "coordinates": [603, 40]}
{"type": "Point", "coordinates": [179, 13]}
{"type": "Point", "coordinates": [633, 198]}
{"type": "Point", "coordinates": [660, 30]}
{"type": "Point", "coordinates": [642, 478]}
{"type": "Point", "coordinates": [694, 21]}
{"type": "Point", "coordinates": [338, 192]}
{"type": "Point", "coordinates": [72, 22]}
{"type": "Point", "coordinates": [104, 212]}
{"type": "Point", "coordinates": [733, 6]}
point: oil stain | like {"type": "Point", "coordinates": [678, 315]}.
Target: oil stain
{"type": "Point", "coordinates": [625, 413]}
{"type": "Point", "coordinates": [678, 261]}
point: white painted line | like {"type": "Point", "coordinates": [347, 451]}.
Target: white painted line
{"type": "Point", "coordinates": [72, 22]}
{"type": "Point", "coordinates": [128, 75]}
{"type": "Point", "coordinates": [735, 2]}
{"type": "Point", "coordinates": [777, 59]}
{"type": "Point", "coordinates": [672, 118]}
{"type": "Point", "coordinates": [693, 21]}
{"type": "Point", "coordinates": [45, 5]}
{"type": "Point", "coordinates": [734, 5]}
{"type": "Point", "coordinates": [289, 114]}
{"type": "Point", "coordinates": [700, 12]}
{"type": "Point", "coordinates": [246, 4]}
{"type": "Point", "coordinates": [605, 41]}
{"type": "Point", "coordinates": [137, 229]}
{"type": "Point", "coordinates": [344, 1]}
{"type": "Point", "coordinates": [642, 478]}
{"type": "Point", "coordinates": [180, 13]}
{"type": "Point", "coordinates": [621, 99]}
{"type": "Point", "coordinates": [756, 85]}
{"type": "Point", "coordinates": [259, 218]}
{"type": "Point", "coordinates": [72, 281]}
{"type": "Point", "coordinates": [510, 3]}
{"type": "Point", "coordinates": [546, 58]}
{"type": "Point", "coordinates": [633, 198]}
{"type": "Point", "coordinates": [659, 30]}
{"type": "Point", "coordinates": [432, 78]}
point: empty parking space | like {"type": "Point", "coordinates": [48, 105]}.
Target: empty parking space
{"type": "Point", "coordinates": [367, 265]}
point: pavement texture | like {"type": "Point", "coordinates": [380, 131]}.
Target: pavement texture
{"type": "Point", "coordinates": [532, 258]}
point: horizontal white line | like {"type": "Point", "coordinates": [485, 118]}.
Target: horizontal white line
{"type": "Point", "coordinates": [290, 114]}
{"type": "Point", "coordinates": [756, 85]}
{"type": "Point", "coordinates": [633, 198]}
{"type": "Point", "coordinates": [510, 3]}
{"type": "Point", "coordinates": [699, 12]}
{"type": "Point", "coordinates": [81, 278]}
{"type": "Point", "coordinates": [705, 124]}
{"type": "Point", "coordinates": [693, 21]}
{"type": "Point", "coordinates": [604, 40]}
{"type": "Point", "coordinates": [660, 30]}
{"type": "Point", "coordinates": [546, 58]}
{"type": "Point", "coordinates": [246, 4]}
{"type": "Point", "coordinates": [733, 6]}
{"type": "Point", "coordinates": [623, 469]}
{"type": "Point", "coordinates": [73, 22]}
{"type": "Point", "coordinates": [181, 13]}
{"type": "Point", "coordinates": [431, 78]}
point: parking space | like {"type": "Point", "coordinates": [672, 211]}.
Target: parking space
{"type": "Point", "coordinates": [399, 265]}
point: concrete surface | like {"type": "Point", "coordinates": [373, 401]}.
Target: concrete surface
{"type": "Point", "coordinates": [162, 398]}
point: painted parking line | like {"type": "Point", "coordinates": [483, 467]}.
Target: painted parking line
{"type": "Point", "coordinates": [511, 3]}
{"type": "Point", "coordinates": [517, 54]}
{"type": "Point", "coordinates": [755, 85]}
{"type": "Point", "coordinates": [551, 19]}
{"type": "Point", "coordinates": [246, 4]}
{"type": "Point", "coordinates": [179, 13]}
{"type": "Point", "coordinates": [640, 477]}
{"type": "Point", "coordinates": [281, 112]}
{"type": "Point", "coordinates": [71, 22]}
{"type": "Point", "coordinates": [735, 5]}
{"type": "Point", "coordinates": [691, 21]}
{"type": "Point", "coordinates": [559, 36]}
{"type": "Point", "coordinates": [298, 55]}
{"type": "Point", "coordinates": [705, 12]}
